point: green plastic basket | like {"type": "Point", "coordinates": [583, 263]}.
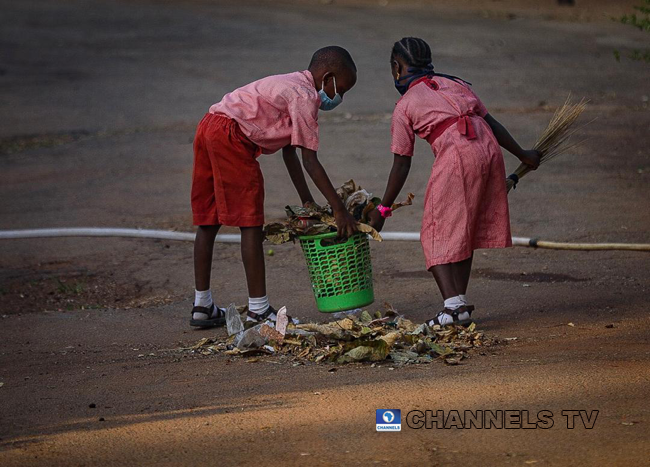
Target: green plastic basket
{"type": "Point", "coordinates": [340, 273]}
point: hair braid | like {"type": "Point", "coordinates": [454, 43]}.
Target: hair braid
{"type": "Point", "coordinates": [414, 51]}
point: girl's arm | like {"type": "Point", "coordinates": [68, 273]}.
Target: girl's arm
{"type": "Point", "coordinates": [297, 175]}
{"type": "Point", "coordinates": [345, 222]}
{"type": "Point", "coordinates": [398, 175]}
{"type": "Point", "coordinates": [506, 141]}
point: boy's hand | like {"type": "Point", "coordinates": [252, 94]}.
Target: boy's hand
{"type": "Point", "coordinates": [311, 205]}
{"type": "Point", "coordinates": [531, 158]}
{"type": "Point", "coordinates": [376, 220]}
{"type": "Point", "coordinates": [346, 224]}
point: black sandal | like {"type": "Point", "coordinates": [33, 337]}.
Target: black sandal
{"type": "Point", "coordinates": [216, 317]}
{"type": "Point", "coordinates": [454, 316]}
{"type": "Point", "coordinates": [261, 317]}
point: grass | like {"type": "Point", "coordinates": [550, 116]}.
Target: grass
{"type": "Point", "coordinates": [74, 288]}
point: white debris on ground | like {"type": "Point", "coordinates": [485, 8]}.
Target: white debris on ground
{"type": "Point", "coordinates": [357, 337]}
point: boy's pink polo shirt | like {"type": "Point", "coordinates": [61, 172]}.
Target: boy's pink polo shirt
{"type": "Point", "coordinates": [276, 111]}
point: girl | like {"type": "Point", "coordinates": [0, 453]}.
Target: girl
{"type": "Point", "coordinates": [465, 205]}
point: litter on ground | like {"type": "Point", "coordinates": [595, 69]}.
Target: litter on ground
{"type": "Point", "coordinates": [359, 337]}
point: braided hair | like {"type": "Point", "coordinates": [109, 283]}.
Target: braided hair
{"type": "Point", "coordinates": [417, 55]}
{"type": "Point", "coordinates": [414, 51]}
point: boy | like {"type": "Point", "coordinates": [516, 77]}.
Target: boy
{"type": "Point", "coordinates": [277, 112]}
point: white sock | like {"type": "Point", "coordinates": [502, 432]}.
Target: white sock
{"type": "Point", "coordinates": [463, 297]}
{"type": "Point", "coordinates": [454, 302]}
{"type": "Point", "coordinates": [203, 298]}
{"type": "Point", "coordinates": [259, 305]}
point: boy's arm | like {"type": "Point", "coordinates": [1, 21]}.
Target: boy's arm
{"type": "Point", "coordinates": [506, 141]}
{"type": "Point", "coordinates": [345, 222]}
{"type": "Point", "coordinates": [297, 175]}
{"type": "Point", "coordinates": [398, 175]}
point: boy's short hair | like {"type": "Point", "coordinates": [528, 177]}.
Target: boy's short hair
{"type": "Point", "coordinates": [332, 57]}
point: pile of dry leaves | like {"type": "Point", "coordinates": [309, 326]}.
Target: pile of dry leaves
{"type": "Point", "coordinates": [314, 219]}
{"type": "Point", "coordinates": [362, 338]}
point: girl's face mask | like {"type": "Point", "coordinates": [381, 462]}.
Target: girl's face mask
{"type": "Point", "coordinates": [414, 73]}
{"type": "Point", "coordinates": [326, 102]}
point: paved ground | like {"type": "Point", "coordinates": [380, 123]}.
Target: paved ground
{"type": "Point", "coordinates": [99, 101]}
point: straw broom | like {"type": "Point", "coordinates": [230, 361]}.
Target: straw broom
{"type": "Point", "coordinates": [555, 138]}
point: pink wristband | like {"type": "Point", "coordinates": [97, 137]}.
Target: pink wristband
{"type": "Point", "coordinates": [384, 211]}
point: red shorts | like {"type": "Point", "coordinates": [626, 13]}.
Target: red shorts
{"type": "Point", "coordinates": [227, 183]}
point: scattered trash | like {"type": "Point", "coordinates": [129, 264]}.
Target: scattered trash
{"type": "Point", "coordinates": [363, 338]}
{"type": "Point", "coordinates": [2, 384]}
{"type": "Point", "coordinates": [342, 314]}
{"type": "Point", "coordinates": [270, 252]}
{"type": "Point", "coordinates": [571, 324]}
{"type": "Point", "coordinates": [627, 423]}
{"type": "Point", "coordinates": [251, 338]}
{"type": "Point", "coordinates": [313, 219]}
{"type": "Point", "coordinates": [510, 339]}
{"type": "Point", "coordinates": [233, 320]}
{"type": "Point", "coordinates": [281, 321]}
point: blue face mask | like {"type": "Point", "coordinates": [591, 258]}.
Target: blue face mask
{"type": "Point", "coordinates": [326, 102]}
{"type": "Point", "coordinates": [415, 73]}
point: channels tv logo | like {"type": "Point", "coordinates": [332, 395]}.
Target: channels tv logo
{"type": "Point", "coordinates": [389, 420]}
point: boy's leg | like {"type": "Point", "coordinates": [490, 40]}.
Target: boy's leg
{"type": "Point", "coordinates": [252, 254]}
{"type": "Point", "coordinates": [205, 313]}
{"type": "Point", "coordinates": [203, 248]}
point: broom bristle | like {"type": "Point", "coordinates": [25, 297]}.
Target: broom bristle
{"type": "Point", "coordinates": [554, 140]}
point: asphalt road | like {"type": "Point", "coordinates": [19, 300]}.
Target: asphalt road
{"type": "Point", "coordinates": [99, 101]}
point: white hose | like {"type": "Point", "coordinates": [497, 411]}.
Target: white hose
{"type": "Point", "coordinates": [111, 232]}
{"type": "Point", "coordinates": [236, 238]}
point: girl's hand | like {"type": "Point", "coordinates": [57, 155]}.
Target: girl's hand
{"type": "Point", "coordinates": [531, 158]}
{"type": "Point", "coordinates": [376, 220]}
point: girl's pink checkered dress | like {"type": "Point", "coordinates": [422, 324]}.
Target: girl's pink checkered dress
{"type": "Point", "coordinates": [466, 205]}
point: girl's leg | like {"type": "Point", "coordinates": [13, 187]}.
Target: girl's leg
{"type": "Point", "coordinates": [452, 279]}
{"type": "Point", "coordinates": [203, 248]}
{"type": "Point", "coordinates": [252, 253]}
{"type": "Point", "coordinates": [444, 276]}
{"type": "Point", "coordinates": [461, 272]}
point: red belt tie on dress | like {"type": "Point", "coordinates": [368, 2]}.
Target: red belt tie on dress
{"type": "Point", "coordinates": [463, 124]}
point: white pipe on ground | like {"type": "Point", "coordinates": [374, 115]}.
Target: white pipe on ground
{"type": "Point", "coordinates": [111, 232]}
{"type": "Point", "coordinates": [235, 238]}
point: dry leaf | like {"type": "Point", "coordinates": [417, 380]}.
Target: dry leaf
{"type": "Point", "coordinates": [407, 202]}
{"type": "Point", "coordinates": [365, 228]}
